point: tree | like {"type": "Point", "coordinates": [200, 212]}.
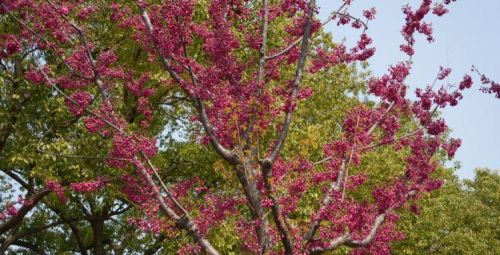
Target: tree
{"type": "Point", "coordinates": [230, 67]}
{"type": "Point", "coordinates": [467, 213]}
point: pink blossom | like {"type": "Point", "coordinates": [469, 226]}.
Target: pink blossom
{"type": "Point", "coordinates": [58, 189]}
{"type": "Point", "coordinates": [78, 102]}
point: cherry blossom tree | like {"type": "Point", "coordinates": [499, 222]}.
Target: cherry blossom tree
{"type": "Point", "coordinates": [231, 61]}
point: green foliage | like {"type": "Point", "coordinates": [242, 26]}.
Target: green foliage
{"type": "Point", "coordinates": [460, 218]}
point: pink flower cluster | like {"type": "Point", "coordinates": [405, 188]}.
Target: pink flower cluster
{"type": "Point", "coordinates": [11, 208]}
{"type": "Point", "coordinates": [78, 102]}
{"type": "Point", "coordinates": [89, 186]}
{"type": "Point", "coordinates": [58, 190]}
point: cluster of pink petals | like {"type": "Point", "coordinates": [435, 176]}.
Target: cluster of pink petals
{"type": "Point", "coordinates": [58, 190]}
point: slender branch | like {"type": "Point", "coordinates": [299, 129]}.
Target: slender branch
{"type": "Point", "coordinates": [37, 35]}
{"type": "Point", "coordinates": [28, 245]}
{"type": "Point", "coordinates": [373, 232]}
{"type": "Point", "coordinates": [221, 150]}
{"type": "Point", "coordinates": [313, 227]}
{"type": "Point", "coordinates": [393, 139]}
{"type": "Point", "coordinates": [17, 178]}
{"type": "Point", "coordinates": [172, 198]}
{"type": "Point", "coordinates": [184, 222]}
{"type": "Point", "coordinates": [347, 240]}
{"type": "Point", "coordinates": [364, 24]}
{"type": "Point", "coordinates": [74, 228]}
{"type": "Point", "coordinates": [81, 156]}
{"type": "Point", "coordinates": [25, 209]}
{"type": "Point", "coordinates": [332, 245]}
{"type": "Point", "coordinates": [296, 84]}
{"type": "Point", "coordinates": [43, 228]}
{"type": "Point", "coordinates": [86, 45]}
{"type": "Point", "coordinates": [296, 42]}
{"type": "Point", "coordinates": [263, 48]}
{"type": "Point", "coordinates": [327, 199]}
{"type": "Point", "coordinates": [261, 73]}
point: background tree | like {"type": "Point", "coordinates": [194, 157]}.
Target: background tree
{"type": "Point", "coordinates": [460, 218]}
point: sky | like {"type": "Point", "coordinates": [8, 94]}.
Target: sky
{"type": "Point", "coordinates": [468, 35]}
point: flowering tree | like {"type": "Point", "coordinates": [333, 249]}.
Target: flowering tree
{"type": "Point", "coordinates": [231, 61]}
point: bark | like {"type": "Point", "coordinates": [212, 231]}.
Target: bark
{"type": "Point", "coordinates": [279, 220]}
{"type": "Point", "coordinates": [97, 236]}
{"type": "Point", "coordinates": [248, 182]}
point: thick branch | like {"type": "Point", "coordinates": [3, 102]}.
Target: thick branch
{"type": "Point", "coordinates": [347, 240]}
{"type": "Point", "coordinates": [17, 178]}
{"type": "Point", "coordinates": [74, 228]}
{"type": "Point", "coordinates": [248, 181]}
{"type": "Point", "coordinates": [184, 222]}
{"type": "Point", "coordinates": [156, 246]}
{"type": "Point", "coordinates": [278, 218]}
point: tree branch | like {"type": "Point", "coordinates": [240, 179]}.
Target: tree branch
{"type": "Point", "coordinates": [221, 150]}
{"type": "Point", "coordinates": [347, 240]}
{"type": "Point", "coordinates": [296, 84]}
{"type": "Point", "coordinates": [27, 245]}
{"type": "Point", "coordinates": [85, 44]}
{"type": "Point", "coordinates": [184, 222]}
{"type": "Point", "coordinates": [279, 220]}
{"type": "Point", "coordinates": [261, 73]}
{"type": "Point", "coordinates": [296, 42]}
{"type": "Point", "coordinates": [25, 208]}
{"type": "Point", "coordinates": [37, 35]}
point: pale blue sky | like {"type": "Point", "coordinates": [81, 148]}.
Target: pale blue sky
{"type": "Point", "coordinates": [468, 35]}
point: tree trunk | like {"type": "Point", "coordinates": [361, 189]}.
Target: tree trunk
{"type": "Point", "coordinates": [98, 236]}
